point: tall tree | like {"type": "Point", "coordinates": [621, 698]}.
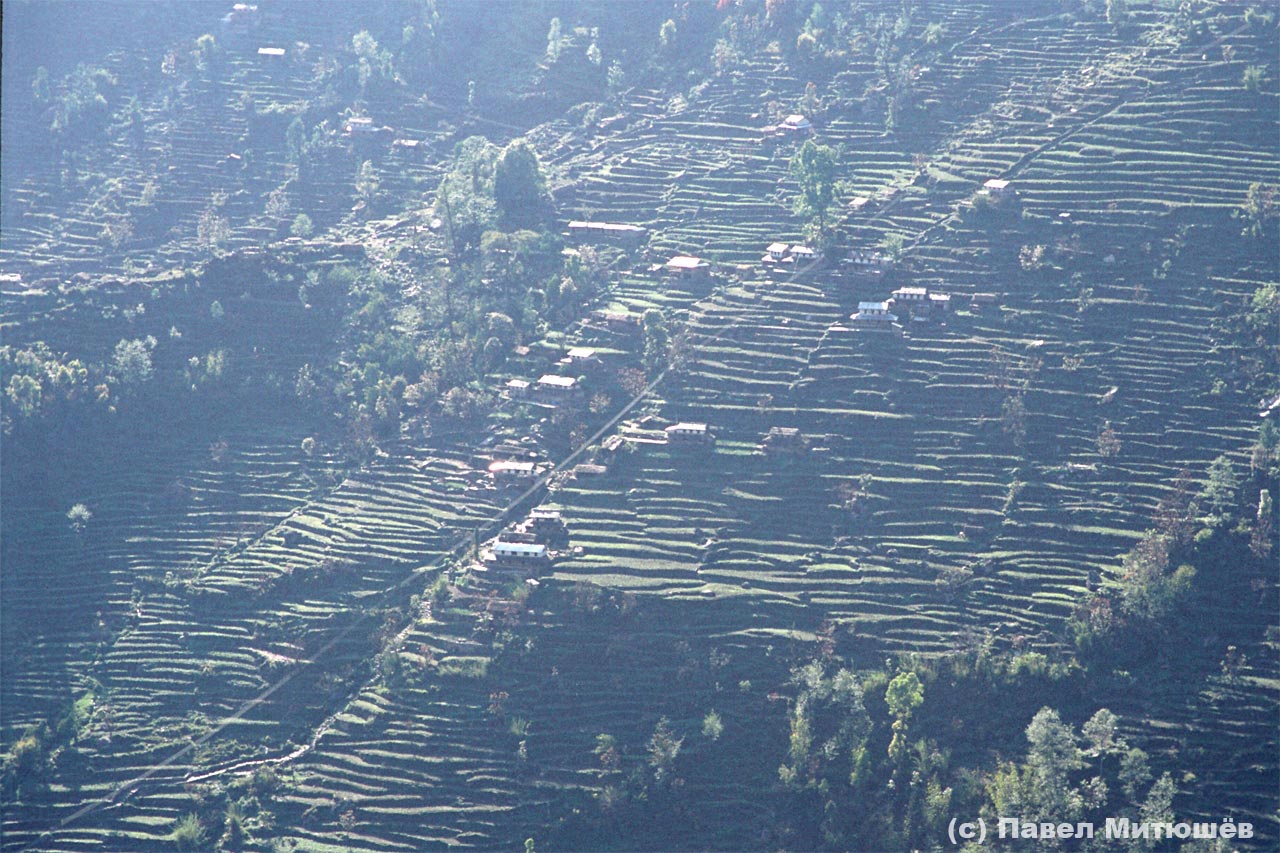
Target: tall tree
{"type": "Point", "coordinates": [518, 185]}
{"type": "Point", "coordinates": [814, 168]}
{"type": "Point", "coordinates": [656, 341]}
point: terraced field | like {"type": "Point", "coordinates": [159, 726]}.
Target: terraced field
{"type": "Point", "coordinates": [261, 610]}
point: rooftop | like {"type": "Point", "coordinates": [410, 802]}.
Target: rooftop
{"type": "Point", "coordinates": [579, 224]}
{"type": "Point", "coordinates": [512, 467]}
{"type": "Point", "coordinates": [687, 427]}
{"type": "Point", "coordinates": [686, 262]}
{"type": "Point", "coordinates": [996, 184]}
{"type": "Point", "coordinates": [519, 549]}
{"type": "Point", "coordinates": [553, 381]}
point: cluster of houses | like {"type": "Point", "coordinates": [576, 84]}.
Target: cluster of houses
{"type": "Point", "coordinates": [686, 268]}
{"type": "Point", "coordinates": [917, 302]}
{"type": "Point", "coordinates": [866, 262]}
{"type": "Point", "coordinates": [553, 389]}
{"type": "Point", "coordinates": [792, 127]}
{"type": "Point", "coordinates": [784, 257]}
{"type": "Point", "coordinates": [529, 545]}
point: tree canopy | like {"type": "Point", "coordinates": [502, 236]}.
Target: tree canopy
{"type": "Point", "coordinates": [814, 168]}
{"type": "Point", "coordinates": [519, 188]}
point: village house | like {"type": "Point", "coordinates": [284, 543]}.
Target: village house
{"type": "Point", "coordinates": [910, 297]}
{"type": "Point", "coordinates": [776, 253]}
{"type": "Point", "coordinates": [241, 17]}
{"type": "Point", "coordinates": [779, 254]}
{"type": "Point", "coordinates": [522, 555]}
{"type": "Point", "coordinates": [979, 301]}
{"type": "Point", "coordinates": [558, 389]}
{"type": "Point", "coordinates": [875, 317]}
{"type": "Point", "coordinates": [919, 302]}
{"type": "Point", "coordinates": [581, 356]}
{"type": "Point", "coordinates": [271, 53]}
{"type": "Point", "coordinates": [510, 473]}
{"type": "Point", "coordinates": [797, 124]}
{"type": "Point", "coordinates": [363, 126]}
{"type": "Point", "coordinates": [866, 262]}
{"type": "Point", "coordinates": [687, 268]}
{"type": "Point", "coordinates": [517, 389]}
{"type": "Point", "coordinates": [805, 254]}
{"type": "Point", "coordinates": [546, 519]}
{"type": "Point", "coordinates": [783, 440]}
{"type": "Point", "coordinates": [516, 534]}
{"type": "Point", "coordinates": [997, 189]}
{"type": "Point", "coordinates": [546, 526]}
{"type": "Point", "coordinates": [618, 321]}
{"type": "Point", "coordinates": [614, 233]}
{"type": "Point", "coordinates": [791, 126]}
{"type": "Point", "coordinates": [689, 433]}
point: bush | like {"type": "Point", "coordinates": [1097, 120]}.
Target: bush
{"type": "Point", "coordinates": [188, 833]}
{"type": "Point", "coordinates": [712, 726]}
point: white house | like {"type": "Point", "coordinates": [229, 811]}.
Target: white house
{"type": "Point", "coordinates": [875, 317]}
{"type": "Point", "coordinates": [557, 388]}
{"type": "Point", "coordinates": [506, 472]}
{"type": "Point", "coordinates": [776, 253]}
{"type": "Point", "coordinates": [519, 553]}
{"type": "Point", "coordinates": [687, 433]}
{"type": "Point", "coordinates": [996, 188]}
{"type": "Point", "coordinates": [359, 124]}
{"type": "Point", "coordinates": [797, 124]}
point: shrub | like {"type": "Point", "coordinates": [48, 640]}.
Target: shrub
{"type": "Point", "coordinates": [188, 833]}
